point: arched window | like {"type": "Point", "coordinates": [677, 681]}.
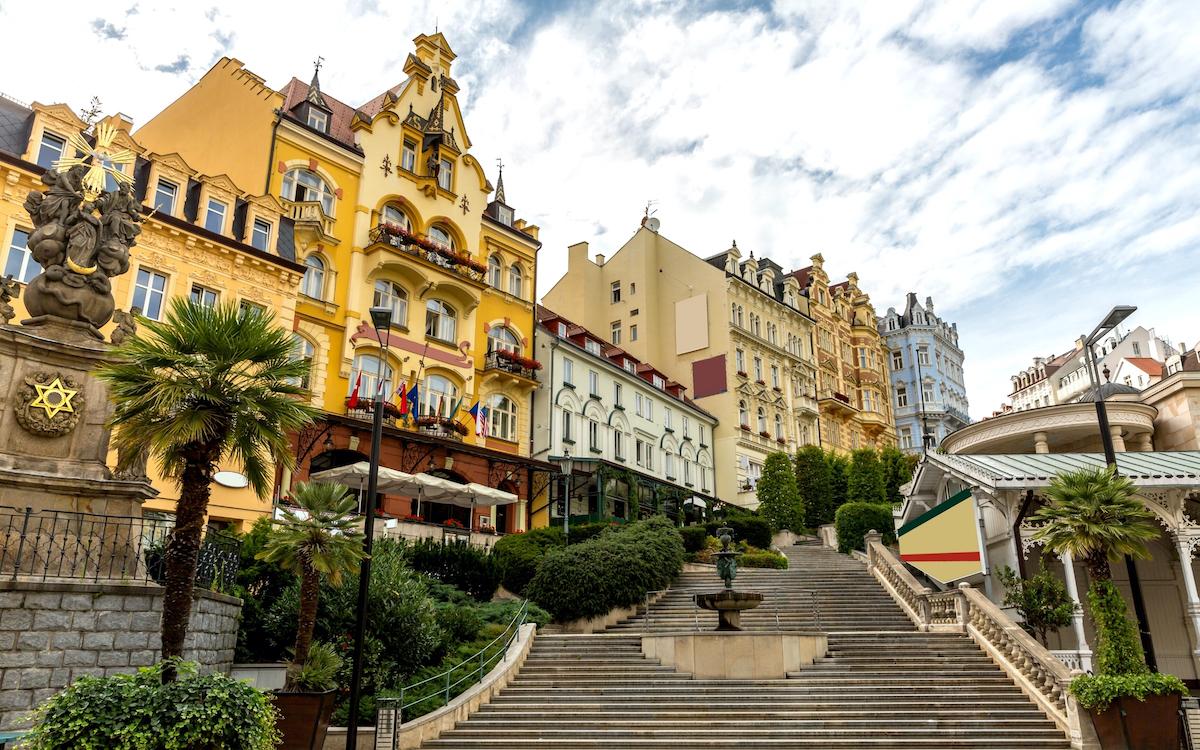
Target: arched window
{"type": "Point", "coordinates": [313, 284]}
{"type": "Point", "coordinates": [440, 321]}
{"type": "Point", "coordinates": [762, 420]}
{"type": "Point", "coordinates": [439, 396]}
{"type": "Point", "coordinates": [302, 185]}
{"type": "Point", "coordinates": [502, 418]}
{"type": "Point", "coordinates": [743, 416]}
{"type": "Point", "coordinates": [733, 312]}
{"type": "Point", "coordinates": [778, 427]}
{"type": "Point", "coordinates": [390, 295]}
{"type": "Point", "coordinates": [741, 319]}
{"type": "Point", "coordinates": [501, 338]}
{"type": "Point", "coordinates": [516, 280]}
{"type": "Point", "coordinates": [495, 271]}
{"type": "Point", "coordinates": [367, 366]}
{"type": "Point", "coordinates": [303, 350]}
{"type": "Point", "coordinates": [441, 235]}
{"type": "Point", "coordinates": [394, 215]}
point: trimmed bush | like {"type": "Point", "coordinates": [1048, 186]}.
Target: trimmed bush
{"type": "Point", "coordinates": [138, 712]}
{"type": "Point", "coordinates": [694, 538]}
{"type": "Point", "coordinates": [778, 496]}
{"type": "Point", "coordinates": [581, 532]}
{"type": "Point", "coordinates": [854, 520]}
{"type": "Point", "coordinates": [612, 570]}
{"type": "Point", "coordinates": [865, 482]}
{"type": "Point", "coordinates": [762, 558]}
{"type": "Point", "coordinates": [1118, 647]}
{"type": "Point", "coordinates": [457, 563]}
{"type": "Point", "coordinates": [460, 623]}
{"type": "Point", "coordinates": [747, 527]}
{"type": "Point", "coordinates": [517, 555]}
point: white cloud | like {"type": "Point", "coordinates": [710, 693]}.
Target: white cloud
{"type": "Point", "coordinates": [1026, 188]}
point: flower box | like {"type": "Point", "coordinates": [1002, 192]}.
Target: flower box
{"type": "Point", "coordinates": [760, 381]}
{"type": "Point", "coordinates": [777, 389]}
{"type": "Point", "coordinates": [527, 362]}
{"type": "Point", "coordinates": [742, 374]}
{"type": "Point", "coordinates": [453, 523]}
{"type": "Point", "coordinates": [781, 441]}
{"type": "Point", "coordinates": [764, 433]}
{"type": "Point", "coordinates": [411, 518]}
{"type": "Point", "coordinates": [745, 428]}
{"type": "Point", "coordinates": [442, 422]}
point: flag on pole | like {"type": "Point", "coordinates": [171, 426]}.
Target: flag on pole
{"type": "Point", "coordinates": [414, 400]}
{"type": "Point", "coordinates": [474, 413]}
{"type": "Point", "coordinates": [402, 392]}
{"type": "Point", "coordinates": [454, 409]}
{"type": "Point", "coordinates": [481, 424]}
{"type": "Point", "coordinates": [441, 407]}
{"type": "Point", "coordinates": [353, 402]}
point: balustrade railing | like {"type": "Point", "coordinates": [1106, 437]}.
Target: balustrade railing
{"type": "Point", "coordinates": [1037, 671]}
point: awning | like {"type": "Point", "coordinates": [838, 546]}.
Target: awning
{"type": "Point", "coordinates": [424, 487]}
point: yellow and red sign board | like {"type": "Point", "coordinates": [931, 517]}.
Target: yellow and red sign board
{"type": "Point", "coordinates": [944, 542]}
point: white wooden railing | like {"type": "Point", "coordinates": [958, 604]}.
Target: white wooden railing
{"type": "Point", "coordinates": [1042, 676]}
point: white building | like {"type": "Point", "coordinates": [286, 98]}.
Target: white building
{"type": "Point", "coordinates": [637, 444]}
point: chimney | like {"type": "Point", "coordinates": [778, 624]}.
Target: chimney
{"type": "Point", "coordinates": [1079, 343]}
{"type": "Point", "coordinates": [599, 259]}
{"type": "Point", "coordinates": [929, 305]}
{"type": "Point", "coordinates": [577, 255]}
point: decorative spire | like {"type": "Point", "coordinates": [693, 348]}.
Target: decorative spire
{"type": "Point", "coordinates": [314, 88]}
{"type": "Point", "coordinates": [500, 182]}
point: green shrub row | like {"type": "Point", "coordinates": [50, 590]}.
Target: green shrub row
{"type": "Point", "coordinates": [615, 569]}
{"type": "Point", "coordinates": [854, 520]}
{"type": "Point", "coordinates": [694, 538]}
{"type": "Point", "coordinates": [457, 563]}
{"type": "Point", "coordinates": [763, 558]}
{"type": "Point", "coordinates": [747, 527]}
{"type": "Point", "coordinates": [517, 555]}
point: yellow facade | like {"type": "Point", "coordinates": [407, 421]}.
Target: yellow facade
{"type": "Point", "coordinates": [389, 208]}
{"type": "Point", "coordinates": [854, 395]}
{"type": "Point", "coordinates": [181, 251]}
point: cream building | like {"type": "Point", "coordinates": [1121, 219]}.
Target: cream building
{"type": "Point", "coordinates": [735, 331]}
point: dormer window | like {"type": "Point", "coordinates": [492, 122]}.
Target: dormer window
{"type": "Point", "coordinates": [630, 366]}
{"type": "Point", "coordinates": [592, 346]}
{"type": "Point", "coordinates": [504, 215]}
{"type": "Point", "coordinates": [318, 120]}
{"type": "Point", "coordinates": [659, 383]}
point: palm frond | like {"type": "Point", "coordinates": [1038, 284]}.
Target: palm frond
{"type": "Point", "coordinates": [321, 533]}
{"type": "Point", "coordinates": [1094, 512]}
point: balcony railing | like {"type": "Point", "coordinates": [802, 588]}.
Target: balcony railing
{"type": "Point", "coordinates": [310, 216]}
{"type": "Point", "coordinates": [52, 544]}
{"type": "Point", "coordinates": [496, 360]}
{"type": "Point", "coordinates": [439, 427]}
{"type": "Point", "coordinates": [420, 247]}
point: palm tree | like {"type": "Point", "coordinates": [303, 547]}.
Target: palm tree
{"type": "Point", "coordinates": [204, 385]}
{"type": "Point", "coordinates": [318, 540]}
{"type": "Point", "coordinates": [1094, 517]}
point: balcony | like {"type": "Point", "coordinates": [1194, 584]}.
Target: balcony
{"type": "Point", "coordinates": [439, 427]}
{"type": "Point", "coordinates": [873, 421]}
{"type": "Point", "coordinates": [312, 225]}
{"type": "Point", "coordinates": [839, 403]}
{"type": "Point", "coordinates": [431, 252]}
{"type": "Point", "coordinates": [511, 363]}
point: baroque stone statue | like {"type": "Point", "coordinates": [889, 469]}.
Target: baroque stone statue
{"type": "Point", "coordinates": [81, 240]}
{"type": "Point", "coordinates": [126, 324]}
{"type": "Point", "coordinates": [9, 290]}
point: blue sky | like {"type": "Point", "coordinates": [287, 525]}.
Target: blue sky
{"type": "Point", "coordinates": [1028, 163]}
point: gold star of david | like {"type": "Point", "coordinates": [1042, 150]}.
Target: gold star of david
{"type": "Point", "coordinates": [53, 398]}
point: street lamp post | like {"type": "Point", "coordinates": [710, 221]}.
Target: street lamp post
{"type": "Point", "coordinates": [1111, 321]}
{"type": "Point", "coordinates": [566, 466]}
{"type": "Point", "coordinates": [381, 319]}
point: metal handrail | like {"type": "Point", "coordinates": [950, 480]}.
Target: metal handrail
{"type": "Point", "coordinates": [478, 665]}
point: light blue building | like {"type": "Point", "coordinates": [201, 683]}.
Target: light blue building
{"type": "Point", "coordinates": [926, 369]}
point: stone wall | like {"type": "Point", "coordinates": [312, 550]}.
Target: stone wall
{"type": "Point", "coordinates": [54, 632]}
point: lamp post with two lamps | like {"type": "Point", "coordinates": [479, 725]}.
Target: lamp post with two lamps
{"type": "Point", "coordinates": [381, 319]}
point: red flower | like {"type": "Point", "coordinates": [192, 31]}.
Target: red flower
{"type": "Point", "coordinates": [453, 523]}
{"type": "Point", "coordinates": [746, 427]}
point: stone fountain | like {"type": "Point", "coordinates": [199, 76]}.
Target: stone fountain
{"type": "Point", "coordinates": [728, 604]}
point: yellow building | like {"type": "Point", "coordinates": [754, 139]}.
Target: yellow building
{"type": "Point", "coordinates": [207, 236]}
{"type": "Point", "coordinates": [390, 209]}
{"type": "Point", "coordinates": [855, 398]}
{"type": "Point", "coordinates": [735, 331]}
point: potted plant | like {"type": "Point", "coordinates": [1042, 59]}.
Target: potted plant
{"type": "Point", "coordinates": [1094, 516]}
{"type": "Point", "coordinates": [318, 538]}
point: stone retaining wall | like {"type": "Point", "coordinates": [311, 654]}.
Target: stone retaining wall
{"type": "Point", "coordinates": [54, 632]}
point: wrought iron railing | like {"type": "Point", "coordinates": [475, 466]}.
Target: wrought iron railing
{"type": "Point", "coordinates": [445, 685]}
{"type": "Point", "coordinates": [55, 544]}
{"type": "Point", "coordinates": [439, 255]}
{"type": "Point", "coordinates": [494, 360]}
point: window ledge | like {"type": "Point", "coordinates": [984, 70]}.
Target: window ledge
{"type": "Point", "coordinates": [669, 430]}
{"type": "Point", "coordinates": [568, 385]}
{"type": "Point", "coordinates": [568, 441]}
{"type": "Point", "coordinates": [596, 450]}
{"type": "Point", "coordinates": [620, 407]}
{"type": "Point", "coordinates": [595, 396]}
{"type": "Point", "coordinates": [439, 340]}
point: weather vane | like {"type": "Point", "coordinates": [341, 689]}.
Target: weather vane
{"type": "Point", "coordinates": [318, 63]}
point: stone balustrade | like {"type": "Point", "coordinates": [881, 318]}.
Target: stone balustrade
{"type": "Point", "coordinates": [1038, 672]}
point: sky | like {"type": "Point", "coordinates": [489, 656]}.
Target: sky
{"type": "Point", "coordinates": [1026, 163]}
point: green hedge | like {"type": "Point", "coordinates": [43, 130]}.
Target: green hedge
{"type": "Point", "coordinates": [746, 528]}
{"type": "Point", "coordinates": [581, 532]}
{"type": "Point", "coordinates": [1096, 692]}
{"type": "Point", "coordinates": [694, 538]}
{"type": "Point", "coordinates": [457, 563]}
{"type": "Point", "coordinates": [854, 520]}
{"type": "Point", "coordinates": [762, 558]}
{"type": "Point", "coordinates": [517, 555]}
{"type": "Point", "coordinates": [137, 711]}
{"type": "Point", "coordinates": [612, 570]}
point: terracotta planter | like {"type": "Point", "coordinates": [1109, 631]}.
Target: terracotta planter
{"type": "Point", "coordinates": [304, 719]}
{"type": "Point", "coordinates": [1131, 724]}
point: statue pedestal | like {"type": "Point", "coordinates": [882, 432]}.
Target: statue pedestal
{"type": "Point", "coordinates": [53, 438]}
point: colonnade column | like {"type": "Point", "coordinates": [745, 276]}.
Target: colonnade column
{"type": "Point", "coordinates": [1184, 546]}
{"type": "Point", "coordinates": [1040, 444]}
{"type": "Point", "coordinates": [1081, 644]}
{"type": "Point", "coordinates": [1118, 440]}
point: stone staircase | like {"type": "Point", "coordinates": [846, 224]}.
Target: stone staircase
{"type": "Point", "coordinates": [882, 684]}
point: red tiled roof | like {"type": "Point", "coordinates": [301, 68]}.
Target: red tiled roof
{"type": "Point", "coordinates": [375, 106]}
{"type": "Point", "coordinates": [339, 121]}
{"type": "Point", "coordinates": [802, 275]}
{"type": "Point", "coordinates": [1147, 365]}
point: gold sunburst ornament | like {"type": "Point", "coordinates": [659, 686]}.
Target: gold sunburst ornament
{"type": "Point", "coordinates": [102, 160]}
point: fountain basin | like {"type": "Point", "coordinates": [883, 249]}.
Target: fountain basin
{"type": "Point", "coordinates": [744, 655]}
{"type": "Point", "coordinates": [729, 605]}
